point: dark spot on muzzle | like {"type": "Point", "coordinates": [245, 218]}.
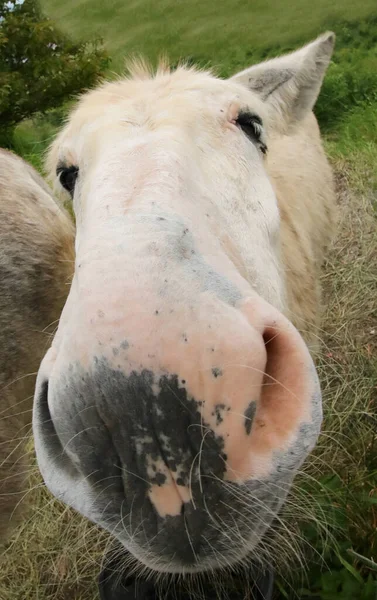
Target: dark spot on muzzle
{"type": "Point", "coordinates": [218, 412]}
{"type": "Point", "coordinates": [216, 372]}
{"type": "Point", "coordinates": [249, 416]}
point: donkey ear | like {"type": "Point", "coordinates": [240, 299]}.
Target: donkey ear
{"type": "Point", "coordinates": [291, 83]}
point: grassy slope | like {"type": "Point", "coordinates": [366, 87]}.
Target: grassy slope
{"type": "Point", "coordinates": [340, 483]}
{"type": "Point", "coordinates": [223, 32]}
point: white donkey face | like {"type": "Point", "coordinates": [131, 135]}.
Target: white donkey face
{"type": "Point", "coordinates": [177, 402]}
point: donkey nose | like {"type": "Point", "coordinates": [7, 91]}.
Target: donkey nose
{"type": "Point", "coordinates": [282, 421]}
{"type": "Point", "coordinates": [157, 434]}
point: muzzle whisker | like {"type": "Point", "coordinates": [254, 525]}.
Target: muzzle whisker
{"type": "Point", "coordinates": [20, 378]}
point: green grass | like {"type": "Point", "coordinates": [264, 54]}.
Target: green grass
{"type": "Point", "coordinates": [355, 142]}
{"type": "Point", "coordinates": [334, 502]}
{"type": "Point", "coordinates": [223, 32]}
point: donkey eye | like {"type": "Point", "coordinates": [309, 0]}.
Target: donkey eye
{"type": "Point", "coordinates": [67, 177]}
{"type": "Point", "coordinates": [252, 126]}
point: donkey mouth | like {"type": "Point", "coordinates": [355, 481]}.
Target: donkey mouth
{"type": "Point", "coordinates": [101, 485]}
{"type": "Point", "coordinates": [255, 581]}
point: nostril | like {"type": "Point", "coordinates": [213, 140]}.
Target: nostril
{"type": "Point", "coordinates": [44, 418]}
{"type": "Point", "coordinates": [273, 353]}
{"type": "Point", "coordinates": [286, 397]}
{"type": "Point", "coordinates": [285, 360]}
{"type": "Point", "coordinates": [47, 431]}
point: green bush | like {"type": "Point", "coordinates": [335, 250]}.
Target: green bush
{"type": "Point", "coordinates": [351, 80]}
{"type": "Point", "coordinates": [40, 67]}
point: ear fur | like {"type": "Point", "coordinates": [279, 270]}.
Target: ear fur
{"type": "Point", "coordinates": [291, 83]}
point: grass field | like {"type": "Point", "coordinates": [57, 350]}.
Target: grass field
{"type": "Point", "coordinates": [224, 33]}
{"type": "Point", "coordinates": [335, 498]}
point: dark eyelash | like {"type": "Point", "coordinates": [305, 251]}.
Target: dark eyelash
{"type": "Point", "coordinates": [252, 126]}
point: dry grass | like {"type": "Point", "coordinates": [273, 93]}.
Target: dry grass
{"type": "Point", "coordinates": [54, 554]}
{"type": "Point", "coordinates": [57, 555]}
{"type": "Point", "coordinates": [339, 481]}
